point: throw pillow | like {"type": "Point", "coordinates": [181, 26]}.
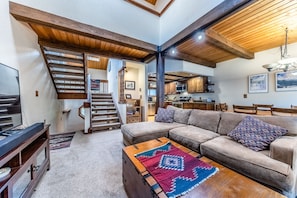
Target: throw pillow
{"type": "Point", "coordinates": [256, 134]}
{"type": "Point", "coordinates": [164, 115]}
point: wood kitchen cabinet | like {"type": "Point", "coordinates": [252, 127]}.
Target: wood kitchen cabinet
{"type": "Point", "coordinates": [199, 105]}
{"type": "Point", "coordinates": [170, 88]}
{"type": "Point", "coordinates": [199, 85]}
{"type": "Point", "coordinates": [196, 85]}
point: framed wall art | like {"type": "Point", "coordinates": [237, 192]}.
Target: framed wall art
{"type": "Point", "coordinates": [286, 81]}
{"type": "Point", "coordinates": [130, 85]}
{"type": "Point", "coordinates": [258, 83]}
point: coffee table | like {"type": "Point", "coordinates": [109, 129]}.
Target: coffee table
{"type": "Point", "coordinates": [225, 183]}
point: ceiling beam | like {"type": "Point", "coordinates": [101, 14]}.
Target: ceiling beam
{"type": "Point", "coordinates": [192, 59]}
{"type": "Point", "coordinates": [220, 41]}
{"type": "Point", "coordinates": [31, 15]}
{"type": "Point", "coordinates": [215, 15]}
{"type": "Point", "coordinates": [80, 49]}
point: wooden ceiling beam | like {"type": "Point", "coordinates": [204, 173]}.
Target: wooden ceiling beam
{"type": "Point", "coordinates": [193, 59]}
{"type": "Point", "coordinates": [66, 46]}
{"type": "Point", "coordinates": [215, 15]}
{"type": "Point", "coordinates": [220, 41]}
{"type": "Point", "coordinates": [31, 15]}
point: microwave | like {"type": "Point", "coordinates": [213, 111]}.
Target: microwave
{"type": "Point", "coordinates": [180, 88]}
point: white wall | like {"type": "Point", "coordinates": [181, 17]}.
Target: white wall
{"type": "Point", "coordinates": [19, 49]}
{"type": "Point", "coordinates": [113, 15]}
{"type": "Point", "coordinates": [113, 85]}
{"type": "Point", "coordinates": [124, 18]}
{"type": "Point", "coordinates": [231, 79]}
{"type": "Point", "coordinates": [181, 14]}
{"type": "Point", "coordinates": [98, 74]}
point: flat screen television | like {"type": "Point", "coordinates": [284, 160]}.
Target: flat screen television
{"type": "Point", "coordinates": [10, 104]}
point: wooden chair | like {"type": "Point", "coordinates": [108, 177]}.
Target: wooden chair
{"type": "Point", "coordinates": [284, 111]}
{"type": "Point", "coordinates": [293, 106]}
{"type": "Point", "coordinates": [222, 107]}
{"type": "Point", "coordinates": [263, 108]}
{"type": "Point", "coordinates": [245, 109]}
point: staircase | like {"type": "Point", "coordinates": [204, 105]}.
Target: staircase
{"type": "Point", "coordinates": [68, 72]}
{"type": "Point", "coordinates": [104, 112]}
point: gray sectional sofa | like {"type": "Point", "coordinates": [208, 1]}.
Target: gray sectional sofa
{"type": "Point", "coordinates": [206, 132]}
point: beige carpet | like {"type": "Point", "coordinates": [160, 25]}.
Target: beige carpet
{"type": "Point", "coordinates": [91, 167]}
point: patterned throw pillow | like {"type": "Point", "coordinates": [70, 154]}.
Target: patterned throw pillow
{"type": "Point", "coordinates": [256, 134]}
{"type": "Point", "coordinates": [164, 115]}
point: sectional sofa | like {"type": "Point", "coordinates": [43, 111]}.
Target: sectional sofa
{"type": "Point", "coordinates": [216, 135]}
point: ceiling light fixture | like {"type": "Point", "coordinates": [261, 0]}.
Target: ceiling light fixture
{"type": "Point", "coordinates": [200, 36]}
{"type": "Point", "coordinates": [173, 51]}
{"type": "Point", "coordinates": [286, 63]}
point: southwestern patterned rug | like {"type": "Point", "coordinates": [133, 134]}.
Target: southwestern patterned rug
{"type": "Point", "coordinates": [58, 141]}
{"type": "Point", "coordinates": [175, 171]}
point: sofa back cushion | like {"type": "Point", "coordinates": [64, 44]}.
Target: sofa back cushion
{"type": "Point", "coordinates": [287, 122]}
{"type": "Point", "coordinates": [230, 120]}
{"type": "Point", "coordinates": [180, 115]}
{"type": "Point", "coordinates": [208, 120]}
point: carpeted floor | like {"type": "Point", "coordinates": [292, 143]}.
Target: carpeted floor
{"type": "Point", "coordinates": [91, 167]}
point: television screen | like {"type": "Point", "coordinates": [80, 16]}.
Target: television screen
{"type": "Point", "coordinates": [10, 104]}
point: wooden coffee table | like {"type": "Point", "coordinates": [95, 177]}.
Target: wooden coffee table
{"type": "Point", "coordinates": [225, 183]}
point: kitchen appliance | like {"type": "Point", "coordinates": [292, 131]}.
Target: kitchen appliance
{"type": "Point", "coordinates": [184, 98]}
{"type": "Point", "coordinates": [180, 88]}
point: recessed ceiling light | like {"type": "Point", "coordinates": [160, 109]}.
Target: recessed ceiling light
{"type": "Point", "coordinates": [173, 51]}
{"type": "Point", "coordinates": [200, 36]}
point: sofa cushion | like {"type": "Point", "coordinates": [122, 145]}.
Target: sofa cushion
{"type": "Point", "coordinates": [180, 115]}
{"type": "Point", "coordinates": [164, 115]}
{"type": "Point", "coordinates": [253, 164]}
{"type": "Point", "coordinates": [208, 120]}
{"type": "Point", "coordinates": [230, 120]}
{"type": "Point", "coordinates": [142, 131]}
{"type": "Point", "coordinates": [191, 136]}
{"type": "Point", "coordinates": [256, 134]}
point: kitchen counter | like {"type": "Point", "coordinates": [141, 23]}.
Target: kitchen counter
{"type": "Point", "coordinates": [199, 105]}
{"type": "Point", "coordinates": [192, 105]}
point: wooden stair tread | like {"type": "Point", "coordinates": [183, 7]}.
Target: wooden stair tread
{"type": "Point", "coordinates": [103, 104]}
{"type": "Point", "coordinates": [70, 85]}
{"type": "Point", "coordinates": [69, 79]}
{"type": "Point", "coordinates": [67, 73]}
{"type": "Point", "coordinates": [102, 100]}
{"type": "Point", "coordinates": [64, 66]}
{"type": "Point", "coordinates": [64, 59]}
{"type": "Point", "coordinates": [105, 119]}
{"type": "Point", "coordinates": [103, 109]}
{"type": "Point", "coordinates": [105, 113]}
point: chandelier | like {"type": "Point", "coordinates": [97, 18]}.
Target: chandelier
{"type": "Point", "coordinates": [286, 63]}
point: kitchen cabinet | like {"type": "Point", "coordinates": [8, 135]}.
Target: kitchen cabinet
{"type": "Point", "coordinates": [196, 85]}
{"type": "Point", "coordinates": [199, 85]}
{"type": "Point", "coordinates": [170, 88]}
{"type": "Point", "coordinates": [199, 105]}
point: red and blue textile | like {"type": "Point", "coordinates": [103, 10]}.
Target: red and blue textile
{"type": "Point", "coordinates": [175, 171]}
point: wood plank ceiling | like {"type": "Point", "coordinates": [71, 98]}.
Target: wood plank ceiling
{"type": "Point", "coordinates": [235, 28]}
